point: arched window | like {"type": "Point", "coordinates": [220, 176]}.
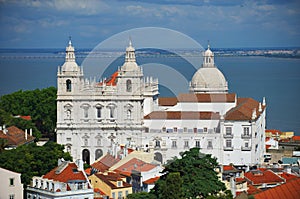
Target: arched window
{"type": "Point", "coordinates": [98, 153]}
{"type": "Point", "coordinates": [128, 85]}
{"type": "Point", "coordinates": [69, 85]}
{"type": "Point", "coordinates": [86, 156]}
{"type": "Point", "coordinates": [158, 157]}
{"type": "Point", "coordinates": [128, 114]}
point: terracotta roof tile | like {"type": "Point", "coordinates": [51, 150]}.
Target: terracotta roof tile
{"type": "Point", "coordinates": [68, 173]}
{"type": "Point", "coordinates": [290, 190]}
{"type": "Point", "coordinates": [185, 115]}
{"type": "Point", "coordinates": [167, 101]}
{"type": "Point", "coordinates": [258, 177]}
{"type": "Point", "coordinates": [252, 189]}
{"type": "Point", "coordinates": [104, 163]}
{"type": "Point", "coordinates": [228, 168]}
{"type": "Point", "coordinates": [151, 180]}
{"type": "Point", "coordinates": [191, 97]}
{"type": "Point", "coordinates": [243, 110]}
{"type": "Point", "coordinates": [135, 164]}
{"type": "Point", "coordinates": [296, 138]}
{"type": "Point", "coordinates": [15, 136]}
{"type": "Point", "coordinates": [288, 177]}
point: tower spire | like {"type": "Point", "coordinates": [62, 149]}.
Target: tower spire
{"type": "Point", "coordinates": [130, 53]}
{"type": "Point", "coordinates": [70, 52]}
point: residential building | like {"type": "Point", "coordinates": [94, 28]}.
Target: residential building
{"type": "Point", "coordinates": [67, 180]}
{"type": "Point", "coordinates": [11, 186]}
{"type": "Point", "coordinates": [111, 184]}
{"type": "Point", "coordinates": [15, 137]}
{"type": "Point", "coordinates": [263, 179]}
{"type": "Point", "coordinates": [290, 190]}
{"type": "Point", "coordinates": [94, 118]}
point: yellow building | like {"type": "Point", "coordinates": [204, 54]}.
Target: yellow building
{"type": "Point", "coordinates": [286, 135]}
{"type": "Point", "coordinates": [111, 184]}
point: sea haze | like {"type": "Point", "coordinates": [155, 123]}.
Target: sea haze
{"type": "Point", "coordinates": [275, 77]}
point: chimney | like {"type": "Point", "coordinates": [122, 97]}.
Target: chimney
{"type": "Point", "coordinates": [26, 134]}
{"type": "Point", "coordinates": [264, 101]}
{"type": "Point", "coordinates": [259, 107]}
{"type": "Point", "coordinates": [79, 164]}
{"type": "Point", "coordinates": [30, 132]}
{"type": "Point", "coordinates": [254, 114]}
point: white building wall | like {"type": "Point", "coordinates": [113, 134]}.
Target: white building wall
{"type": "Point", "coordinates": [6, 189]}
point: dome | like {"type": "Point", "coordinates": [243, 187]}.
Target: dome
{"type": "Point", "coordinates": [70, 67]}
{"type": "Point", "coordinates": [209, 80]}
{"type": "Point", "coordinates": [130, 66]}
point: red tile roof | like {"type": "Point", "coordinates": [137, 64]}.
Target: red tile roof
{"type": "Point", "coordinates": [258, 177]}
{"type": "Point", "coordinates": [15, 136]}
{"type": "Point", "coordinates": [243, 110]}
{"type": "Point", "coordinates": [184, 115]}
{"type": "Point", "coordinates": [67, 171]}
{"type": "Point", "coordinates": [290, 190]}
{"type": "Point", "coordinates": [135, 164]}
{"type": "Point", "coordinates": [25, 117]}
{"type": "Point", "coordinates": [104, 163]}
{"type": "Point", "coordinates": [288, 177]}
{"type": "Point", "coordinates": [191, 97]}
{"type": "Point", "coordinates": [167, 101]}
{"type": "Point", "coordinates": [296, 138]}
{"type": "Point", "coordinates": [151, 180]}
{"type": "Point", "coordinates": [228, 168]}
{"type": "Point", "coordinates": [112, 81]}
{"type": "Point", "coordinates": [252, 189]}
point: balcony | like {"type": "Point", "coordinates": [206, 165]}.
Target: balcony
{"type": "Point", "coordinates": [227, 148]}
{"type": "Point", "coordinates": [243, 148]}
{"type": "Point", "coordinates": [228, 135]}
{"type": "Point", "coordinates": [245, 136]}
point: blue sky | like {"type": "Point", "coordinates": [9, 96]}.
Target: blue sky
{"type": "Point", "coordinates": [234, 23]}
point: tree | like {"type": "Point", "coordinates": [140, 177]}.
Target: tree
{"type": "Point", "coordinates": [39, 104]}
{"type": "Point", "coordinates": [198, 175]}
{"type": "Point", "coordinates": [141, 195]}
{"type": "Point", "coordinates": [170, 186]}
{"type": "Point", "coordinates": [32, 160]}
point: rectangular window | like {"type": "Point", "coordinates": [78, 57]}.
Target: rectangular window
{"type": "Point", "coordinates": [113, 195]}
{"type": "Point", "coordinates": [174, 143]}
{"type": "Point", "coordinates": [11, 182]}
{"type": "Point", "coordinates": [205, 130]}
{"type": "Point", "coordinates": [146, 130]}
{"type": "Point", "coordinates": [126, 193]}
{"type": "Point", "coordinates": [120, 195]}
{"type": "Point", "coordinates": [246, 131]}
{"type": "Point", "coordinates": [228, 143]}
{"type": "Point", "coordinates": [86, 112]}
{"type": "Point", "coordinates": [12, 196]}
{"type": "Point", "coordinates": [185, 129]}
{"type": "Point", "coordinates": [98, 112]}
{"type": "Point", "coordinates": [209, 144]}
{"type": "Point", "coordinates": [195, 130]}
{"type": "Point", "coordinates": [186, 144]}
{"type": "Point", "coordinates": [198, 143]}
{"type": "Point", "coordinates": [228, 130]}
{"type": "Point", "coordinates": [246, 144]}
{"type": "Point", "coordinates": [164, 129]}
{"type": "Point", "coordinates": [99, 141]}
{"type": "Point", "coordinates": [111, 112]}
{"type": "Point", "coordinates": [175, 129]}
{"type": "Point", "coordinates": [69, 139]}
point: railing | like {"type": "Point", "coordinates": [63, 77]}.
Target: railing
{"type": "Point", "coordinates": [228, 135]}
{"type": "Point", "coordinates": [226, 148]}
{"type": "Point", "coordinates": [245, 148]}
{"type": "Point", "coordinates": [245, 136]}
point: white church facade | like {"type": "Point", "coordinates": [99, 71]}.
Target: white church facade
{"type": "Point", "coordinates": [94, 118]}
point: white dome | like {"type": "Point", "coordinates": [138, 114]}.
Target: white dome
{"type": "Point", "coordinates": [70, 67]}
{"type": "Point", "coordinates": [209, 80]}
{"type": "Point", "coordinates": [130, 66]}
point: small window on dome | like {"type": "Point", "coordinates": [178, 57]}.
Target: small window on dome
{"type": "Point", "coordinates": [69, 85]}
